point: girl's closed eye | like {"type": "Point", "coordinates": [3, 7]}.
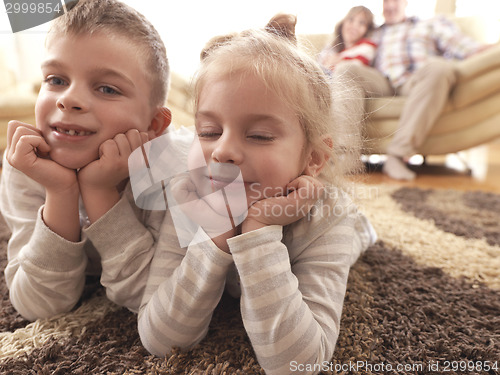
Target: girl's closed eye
{"type": "Point", "coordinates": [209, 134]}
{"type": "Point", "coordinates": [262, 137]}
{"type": "Point", "coordinates": [208, 131]}
{"type": "Point", "coordinates": [262, 133]}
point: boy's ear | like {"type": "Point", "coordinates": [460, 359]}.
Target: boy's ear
{"type": "Point", "coordinates": [317, 159]}
{"type": "Point", "coordinates": [160, 122]}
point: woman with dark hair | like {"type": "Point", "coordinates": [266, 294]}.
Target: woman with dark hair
{"type": "Point", "coordinates": [350, 40]}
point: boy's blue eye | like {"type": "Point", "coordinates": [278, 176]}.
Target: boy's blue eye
{"type": "Point", "coordinates": [108, 90]}
{"type": "Point", "coordinates": [54, 81]}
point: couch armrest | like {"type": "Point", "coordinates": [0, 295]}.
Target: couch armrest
{"type": "Point", "coordinates": [483, 61]}
{"type": "Point", "coordinates": [313, 44]}
{"type": "Point", "coordinates": [180, 100]}
{"type": "Point", "coordinates": [478, 77]}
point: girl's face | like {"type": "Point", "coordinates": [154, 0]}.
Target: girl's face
{"type": "Point", "coordinates": [354, 28]}
{"type": "Point", "coordinates": [241, 122]}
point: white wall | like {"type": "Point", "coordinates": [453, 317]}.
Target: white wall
{"type": "Point", "coordinates": [185, 25]}
{"type": "Point", "coordinates": [488, 10]}
{"type": "Point", "coordinates": [23, 50]}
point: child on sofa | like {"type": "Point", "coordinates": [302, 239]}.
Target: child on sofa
{"type": "Point", "coordinates": [64, 191]}
{"type": "Point", "coordinates": [350, 41]}
{"type": "Point", "coordinates": [265, 107]}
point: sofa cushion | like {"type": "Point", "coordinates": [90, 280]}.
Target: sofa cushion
{"type": "Point", "coordinates": [180, 101]}
{"type": "Point", "coordinates": [476, 77]}
{"type": "Point", "coordinates": [13, 105]}
{"type": "Point", "coordinates": [7, 77]}
{"type": "Point", "coordinates": [476, 89]}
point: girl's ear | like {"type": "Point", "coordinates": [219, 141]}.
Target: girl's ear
{"type": "Point", "coordinates": [317, 158]}
{"type": "Point", "coordinates": [160, 122]}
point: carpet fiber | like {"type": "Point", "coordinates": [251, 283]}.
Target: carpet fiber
{"type": "Point", "coordinates": [425, 299]}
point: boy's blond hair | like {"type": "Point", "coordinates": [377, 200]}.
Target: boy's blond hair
{"type": "Point", "coordinates": [288, 72]}
{"type": "Point", "coordinates": [114, 17]}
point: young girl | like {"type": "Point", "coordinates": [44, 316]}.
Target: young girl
{"type": "Point", "coordinates": [264, 107]}
{"type": "Point", "coordinates": [350, 40]}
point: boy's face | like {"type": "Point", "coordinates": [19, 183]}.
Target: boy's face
{"type": "Point", "coordinates": [241, 122]}
{"type": "Point", "coordinates": [94, 87]}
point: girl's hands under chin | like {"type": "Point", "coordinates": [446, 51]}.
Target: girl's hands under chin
{"type": "Point", "coordinates": [304, 192]}
{"type": "Point", "coordinates": [28, 151]}
{"type": "Point", "coordinates": [217, 225]}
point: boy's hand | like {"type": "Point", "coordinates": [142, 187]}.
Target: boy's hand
{"type": "Point", "coordinates": [304, 191]}
{"type": "Point", "coordinates": [111, 168]}
{"type": "Point", "coordinates": [28, 152]}
{"type": "Point", "coordinates": [100, 180]}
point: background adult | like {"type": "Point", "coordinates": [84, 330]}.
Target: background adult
{"type": "Point", "coordinates": [349, 41]}
{"type": "Point", "coordinates": [413, 59]}
{"type": "Point", "coordinates": [416, 57]}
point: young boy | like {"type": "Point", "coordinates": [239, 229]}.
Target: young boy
{"type": "Point", "coordinates": [64, 191]}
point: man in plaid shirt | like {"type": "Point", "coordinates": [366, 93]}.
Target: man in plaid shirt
{"type": "Point", "coordinates": [414, 57]}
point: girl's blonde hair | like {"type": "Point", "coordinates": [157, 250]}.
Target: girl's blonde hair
{"type": "Point", "coordinates": [272, 56]}
{"type": "Point", "coordinates": [337, 43]}
{"type": "Point", "coordinates": [85, 17]}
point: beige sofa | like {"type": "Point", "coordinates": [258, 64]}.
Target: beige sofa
{"type": "Point", "coordinates": [17, 101]}
{"type": "Point", "coordinates": [471, 116]}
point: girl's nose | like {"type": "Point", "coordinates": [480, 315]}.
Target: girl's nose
{"type": "Point", "coordinates": [227, 150]}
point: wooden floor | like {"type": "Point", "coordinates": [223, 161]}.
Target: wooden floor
{"type": "Point", "coordinates": [475, 169]}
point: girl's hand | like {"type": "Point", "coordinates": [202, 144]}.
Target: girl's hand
{"type": "Point", "coordinates": [107, 172]}
{"type": "Point", "coordinates": [215, 222]}
{"type": "Point", "coordinates": [304, 192]}
{"type": "Point", "coordinates": [28, 152]}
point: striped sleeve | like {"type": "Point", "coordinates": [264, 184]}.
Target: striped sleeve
{"type": "Point", "coordinates": [291, 309]}
{"type": "Point", "coordinates": [125, 238]}
{"type": "Point", "coordinates": [183, 289]}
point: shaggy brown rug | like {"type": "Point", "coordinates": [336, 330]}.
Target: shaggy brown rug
{"type": "Point", "coordinates": [425, 299]}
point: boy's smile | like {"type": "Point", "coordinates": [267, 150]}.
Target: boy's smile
{"type": "Point", "coordinates": [94, 87]}
{"type": "Point", "coordinates": [70, 130]}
